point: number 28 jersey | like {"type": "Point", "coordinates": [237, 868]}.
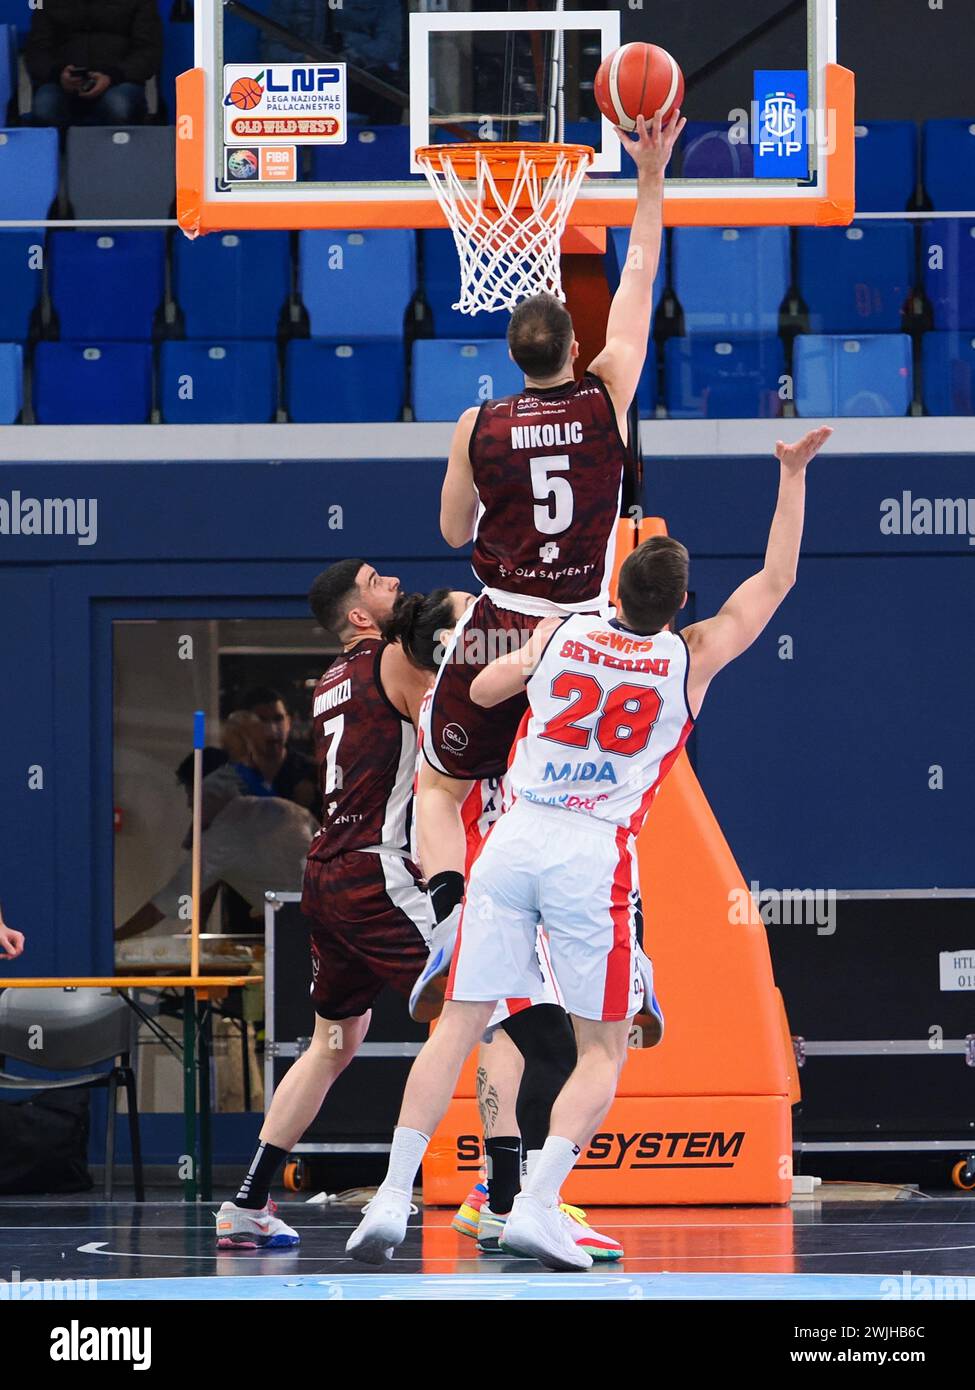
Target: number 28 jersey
{"type": "Point", "coordinates": [548, 469]}
{"type": "Point", "coordinates": [607, 719]}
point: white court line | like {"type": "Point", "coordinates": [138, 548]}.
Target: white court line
{"type": "Point", "coordinates": [436, 1225]}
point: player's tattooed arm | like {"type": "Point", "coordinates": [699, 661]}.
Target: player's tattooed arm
{"type": "Point", "coordinates": [487, 1103]}
{"type": "Point", "coordinates": [509, 674]}
{"type": "Point", "coordinates": [743, 617]}
{"type": "Point", "coordinates": [458, 499]}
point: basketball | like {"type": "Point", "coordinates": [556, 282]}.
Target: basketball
{"type": "Point", "coordinates": [245, 94]}
{"type": "Point", "coordinates": [638, 79]}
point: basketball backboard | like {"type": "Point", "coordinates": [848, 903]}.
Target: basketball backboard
{"type": "Point", "coordinates": [307, 115]}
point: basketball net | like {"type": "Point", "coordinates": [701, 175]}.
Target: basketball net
{"type": "Point", "coordinates": [507, 206]}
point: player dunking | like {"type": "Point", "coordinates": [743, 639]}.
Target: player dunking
{"type": "Point", "coordinates": [622, 693]}
{"type": "Point", "coordinates": [361, 890]}
{"type": "Point", "coordinates": [535, 479]}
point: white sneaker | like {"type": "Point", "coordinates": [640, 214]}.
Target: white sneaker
{"type": "Point", "coordinates": [543, 1233]}
{"type": "Point", "coordinates": [243, 1228]}
{"type": "Point", "coordinates": [426, 996]}
{"type": "Point", "coordinates": [382, 1228]}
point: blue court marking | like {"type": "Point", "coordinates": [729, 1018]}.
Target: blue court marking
{"type": "Point", "coordinates": [508, 1287]}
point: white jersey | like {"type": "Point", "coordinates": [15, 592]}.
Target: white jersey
{"type": "Point", "coordinates": [608, 716]}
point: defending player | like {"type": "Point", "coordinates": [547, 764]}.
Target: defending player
{"type": "Point", "coordinates": [535, 480]}
{"type": "Point", "coordinates": [528, 1050]}
{"type": "Point", "coordinates": [361, 890]}
{"type": "Point", "coordinates": [621, 694]}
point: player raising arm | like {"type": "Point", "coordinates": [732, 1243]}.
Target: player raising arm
{"type": "Point", "coordinates": [535, 479]}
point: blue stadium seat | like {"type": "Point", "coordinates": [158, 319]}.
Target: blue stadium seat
{"type": "Point", "coordinates": [21, 276]}
{"type": "Point", "coordinates": [617, 245]}
{"type": "Point", "coordinates": [18, 14]}
{"type": "Point", "coordinates": [344, 383]}
{"type": "Point", "coordinates": [949, 164]}
{"type": "Point", "coordinates": [730, 280]}
{"type": "Point", "coordinates": [232, 284]}
{"type": "Point", "coordinates": [28, 172]}
{"type": "Point", "coordinates": [8, 68]}
{"type": "Point", "coordinates": [722, 379]}
{"type": "Point", "coordinates": [707, 152]}
{"type": "Point", "coordinates": [218, 384]}
{"type": "Point", "coordinates": [948, 257]}
{"type": "Point", "coordinates": [92, 384]}
{"type": "Point", "coordinates": [357, 284]}
{"type": "Point", "coordinates": [856, 279]}
{"type": "Point", "coordinates": [853, 376]}
{"type": "Point", "coordinates": [449, 376]}
{"type": "Point", "coordinates": [886, 165]}
{"type": "Point", "coordinates": [379, 152]}
{"type": "Point", "coordinates": [948, 364]}
{"type": "Point", "coordinates": [11, 382]}
{"type": "Point", "coordinates": [441, 286]}
{"type": "Point", "coordinates": [106, 285]}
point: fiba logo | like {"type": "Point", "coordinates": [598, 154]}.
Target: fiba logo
{"type": "Point", "coordinates": [779, 124]}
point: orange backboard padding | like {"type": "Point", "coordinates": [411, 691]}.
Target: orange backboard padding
{"type": "Point", "coordinates": [197, 214]}
{"type": "Point", "coordinates": [703, 1150]}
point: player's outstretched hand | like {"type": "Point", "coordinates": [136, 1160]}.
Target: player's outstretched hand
{"type": "Point", "coordinates": [798, 456]}
{"type": "Point", "coordinates": [11, 942]}
{"type": "Point", "coordinates": [651, 145]}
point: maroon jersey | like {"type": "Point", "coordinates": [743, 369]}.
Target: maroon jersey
{"type": "Point", "coordinates": [366, 751]}
{"type": "Point", "coordinates": [548, 469]}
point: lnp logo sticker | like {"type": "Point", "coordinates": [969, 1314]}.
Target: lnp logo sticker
{"type": "Point", "coordinates": [284, 104]}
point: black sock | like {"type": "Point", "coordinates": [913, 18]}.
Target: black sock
{"type": "Point", "coordinates": [256, 1187]}
{"type": "Point", "coordinates": [503, 1172]}
{"type": "Point", "coordinates": [446, 889]}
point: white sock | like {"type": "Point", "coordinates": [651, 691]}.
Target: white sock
{"type": "Point", "coordinates": [528, 1165]}
{"type": "Point", "coordinates": [405, 1157]}
{"type": "Point", "coordinates": [550, 1169]}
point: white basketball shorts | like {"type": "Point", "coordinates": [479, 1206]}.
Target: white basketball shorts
{"type": "Point", "coordinates": [578, 876]}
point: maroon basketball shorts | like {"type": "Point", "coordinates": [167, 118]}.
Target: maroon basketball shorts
{"type": "Point", "coordinates": [369, 928]}
{"type": "Point", "coordinates": [467, 741]}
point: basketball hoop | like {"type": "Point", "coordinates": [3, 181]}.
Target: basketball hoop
{"type": "Point", "coordinates": [507, 205]}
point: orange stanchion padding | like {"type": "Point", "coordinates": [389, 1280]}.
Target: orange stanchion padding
{"type": "Point", "coordinates": [795, 1089]}
{"type": "Point", "coordinates": [702, 1150]}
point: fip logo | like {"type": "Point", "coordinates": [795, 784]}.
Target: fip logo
{"type": "Point", "coordinates": [782, 118]}
{"type": "Point", "coordinates": [780, 123]}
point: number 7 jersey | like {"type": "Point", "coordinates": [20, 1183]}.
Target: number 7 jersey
{"type": "Point", "coordinates": [607, 719]}
{"type": "Point", "coordinates": [548, 469]}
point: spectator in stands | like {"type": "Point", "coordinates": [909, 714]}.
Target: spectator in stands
{"type": "Point", "coordinates": [367, 35]}
{"type": "Point", "coordinates": [243, 734]}
{"type": "Point", "coordinates": [286, 772]}
{"type": "Point", "coordinates": [11, 942]}
{"type": "Point", "coordinates": [89, 60]}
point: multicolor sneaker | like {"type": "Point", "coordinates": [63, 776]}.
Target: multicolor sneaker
{"type": "Point", "coordinates": [468, 1213]}
{"type": "Point", "coordinates": [243, 1228]}
{"type": "Point", "coordinates": [490, 1229]}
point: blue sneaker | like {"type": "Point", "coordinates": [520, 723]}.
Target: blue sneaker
{"type": "Point", "coordinates": [427, 995]}
{"type": "Point", "coordinates": [650, 1018]}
